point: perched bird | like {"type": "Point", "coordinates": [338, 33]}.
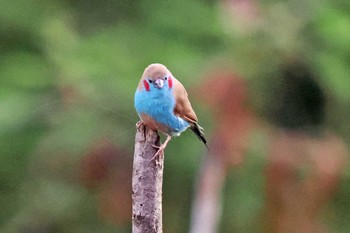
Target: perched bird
{"type": "Point", "coordinates": [161, 102]}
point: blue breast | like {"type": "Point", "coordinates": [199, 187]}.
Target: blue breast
{"type": "Point", "coordinates": [159, 104]}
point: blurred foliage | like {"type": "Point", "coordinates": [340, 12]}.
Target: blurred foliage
{"type": "Point", "coordinates": [68, 72]}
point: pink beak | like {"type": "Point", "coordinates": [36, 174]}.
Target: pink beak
{"type": "Point", "coordinates": [159, 83]}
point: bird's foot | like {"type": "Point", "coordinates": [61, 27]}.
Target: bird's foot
{"type": "Point", "coordinates": [161, 148]}
{"type": "Point", "coordinates": [139, 123]}
{"type": "Point", "coordinates": [159, 151]}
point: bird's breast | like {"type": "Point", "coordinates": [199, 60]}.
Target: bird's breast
{"type": "Point", "coordinates": [157, 111]}
{"type": "Point", "coordinates": [152, 123]}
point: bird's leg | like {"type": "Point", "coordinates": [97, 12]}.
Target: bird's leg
{"type": "Point", "coordinates": [161, 147]}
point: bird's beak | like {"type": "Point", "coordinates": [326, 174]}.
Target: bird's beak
{"type": "Point", "coordinates": [159, 83]}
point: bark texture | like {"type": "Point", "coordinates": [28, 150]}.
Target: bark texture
{"type": "Point", "coordinates": [147, 182]}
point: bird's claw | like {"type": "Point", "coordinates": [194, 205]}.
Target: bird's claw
{"type": "Point", "coordinates": [156, 154]}
{"type": "Point", "coordinates": [161, 147]}
{"type": "Point", "coordinates": [159, 152]}
{"type": "Point", "coordinates": [138, 124]}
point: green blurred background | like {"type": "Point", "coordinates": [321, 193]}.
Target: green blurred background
{"type": "Point", "coordinates": [68, 73]}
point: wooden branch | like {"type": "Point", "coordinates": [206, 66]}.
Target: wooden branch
{"type": "Point", "coordinates": [147, 182]}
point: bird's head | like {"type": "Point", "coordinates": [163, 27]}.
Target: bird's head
{"type": "Point", "coordinates": [156, 76]}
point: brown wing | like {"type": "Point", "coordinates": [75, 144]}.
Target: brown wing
{"type": "Point", "coordinates": [183, 106]}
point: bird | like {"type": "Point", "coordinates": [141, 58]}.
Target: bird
{"type": "Point", "coordinates": [162, 104]}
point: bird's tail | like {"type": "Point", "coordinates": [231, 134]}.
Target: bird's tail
{"type": "Point", "coordinates": [197, 130]}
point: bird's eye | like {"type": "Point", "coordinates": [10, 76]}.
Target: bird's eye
{"type": "Point", "coordinates": [166, 78]}
{"type": "Point", "coordinates": [150, 81]}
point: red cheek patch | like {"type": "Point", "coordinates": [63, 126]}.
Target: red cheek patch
{"type": "Point", "coordinates": [146, 84]}
{"type": "Point", "coordinates": [170, 82]}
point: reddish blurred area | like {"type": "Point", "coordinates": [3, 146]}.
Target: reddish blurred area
{"type": "Point", "coordinates": [226, 95]}
{"type": "Point", "coordinates": [241, 15]}
{"type": "Point", "coordinates": [106, 170]}
{"type": "Point", "coordinates": [302, 175]}
{"type": "Point", "coordinates": [305, 159]}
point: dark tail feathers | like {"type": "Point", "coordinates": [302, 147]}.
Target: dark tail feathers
{"type": "Point", "coordinates": [197, 130]}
